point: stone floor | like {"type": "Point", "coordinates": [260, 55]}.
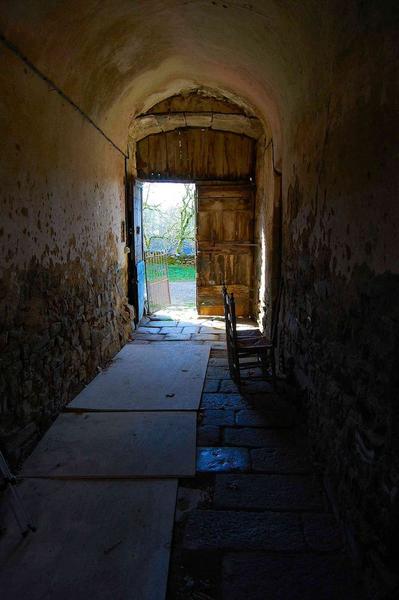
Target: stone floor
{"type": "Point", "coordinates": [180, 324]}
{"type": "Point", "coordinates": [182, 293]}
{"type": "Point", "coordinates": [255, 522]}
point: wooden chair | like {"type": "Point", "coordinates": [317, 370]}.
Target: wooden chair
{"type": "Point", "coordinates": [241, 333]}
{"type": "Point", "coordinates": [249, 343]}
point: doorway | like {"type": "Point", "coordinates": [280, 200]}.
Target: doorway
{"type": "Point", "coordinates": [222, 165]}
{"type": "Point", "coordinates": [169, 238]}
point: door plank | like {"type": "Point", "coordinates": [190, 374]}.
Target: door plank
{"type": "Point", "coordinates": [225, 246]}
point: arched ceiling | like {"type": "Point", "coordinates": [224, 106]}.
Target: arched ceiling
{"type": "Point", "coordinates": [117, 58]}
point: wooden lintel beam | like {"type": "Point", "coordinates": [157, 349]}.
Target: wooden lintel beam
{"type": "Point", "coordinates": [161, 123]}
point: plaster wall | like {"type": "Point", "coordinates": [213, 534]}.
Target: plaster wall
{"type": "Point", "coordinates": [63, 278]}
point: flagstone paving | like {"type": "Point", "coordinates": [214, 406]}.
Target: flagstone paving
{"type": "Point", "coordinates": [255, 523]}
{"type": "Point", "coordinates": [262, 528]}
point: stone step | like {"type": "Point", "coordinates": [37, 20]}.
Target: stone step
{"type": "Point", "coordinates": [216, 417]}
{"type": "Point", "coordinates": [280, 459]}
{"type": "Point", "coordinates": [261, 576]}
{"type": "Point", "coordinates": [216, 372]}
{"type": "Point", "coordinates": [270, 417]}
{"type": "Point", "coordinates": [211, 386]}
{"type": "Point", "coordinates": [269, 492]}
{"type": "Point", "coordinates": [257, 437]}
{"type": "Point", "coordinates": [230, 530]}
{"type": "Point", "coordinates": [223, 401]}
{"type": "Point", "coordinates": [219, 460]}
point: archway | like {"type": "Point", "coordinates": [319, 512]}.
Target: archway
{"type": "Point", "coordinates": [203, 136]}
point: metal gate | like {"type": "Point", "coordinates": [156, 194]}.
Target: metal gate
{"type": "Point", "coordinates": [158, 291]}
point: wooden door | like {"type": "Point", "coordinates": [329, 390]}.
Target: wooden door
{"type": "Point", "coordinates": [225, 245]}
{"type": "Point", "coordinates": [139, 270]}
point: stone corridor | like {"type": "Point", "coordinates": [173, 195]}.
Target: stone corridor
{"type": "Point", "coordinates": [284, 116]}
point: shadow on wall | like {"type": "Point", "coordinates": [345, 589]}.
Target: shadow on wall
{"type": "Point", "coordinates": [344, 339]}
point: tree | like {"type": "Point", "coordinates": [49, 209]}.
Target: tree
{"type": "Point", "coordinates": [183, 227]}
{"type": "Point", "coordinates": [149, 223]}
{"type": "Point", "coordinates": [173, 227]}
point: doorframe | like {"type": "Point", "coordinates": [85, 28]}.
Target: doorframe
{"type": "Point", "coordinates": [132, 283]}
{"type": "Point", "coordinates": [131, 267]}
{"type": "Point", "coordinates": [132, 273]}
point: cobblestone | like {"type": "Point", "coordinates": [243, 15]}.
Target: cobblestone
{"type": "Point", "coordinates": [223, 401]}
{"type": "Point", "coordinates": [271, 492]}
{"type": "Point", "coordinates": [230, 530]}
{"type": "Point", "coordinates": [260, 576]}
{"type": "Point", "coordinates": [222, 459]}
{"type": "Point", "coordinates": [255, 493]}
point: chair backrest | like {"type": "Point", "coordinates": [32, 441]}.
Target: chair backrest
{"type": "Point", "coordinates": [230, 315]}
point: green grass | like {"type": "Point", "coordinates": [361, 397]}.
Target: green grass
{"type": "Point", "coordinates": [176, 272]}
{"type": "Point", "coordinates": [181, 272]}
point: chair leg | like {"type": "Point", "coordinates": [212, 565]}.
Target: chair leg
{"type": "Point", "coordinates": [232, 361]}
{"type": "Point", "coordinates": [273, 366]}
{"type": "Point", "coordinates": [237, 374]}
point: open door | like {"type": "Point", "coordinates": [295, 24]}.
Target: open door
{"type": "Point", "coordinates": [158, 290]}
{"type": "Point", "coordinates": [138, 251]}
{"type": "Point", "coordinates": [225, 246]}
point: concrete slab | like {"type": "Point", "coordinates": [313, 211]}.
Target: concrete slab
{"type": "Point", "coordinates": [94, 539]}
{"type": "Point", "coordinates": [152, 377]}
{"type": "Point", "coordinates": [80, 445]}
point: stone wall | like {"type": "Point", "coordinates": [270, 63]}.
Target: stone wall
{"type": "Point", "coordinates": [63, 300]}
{"type": "Point", "coordinates": [340, 321]}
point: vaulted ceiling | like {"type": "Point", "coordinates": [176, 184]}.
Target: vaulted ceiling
{"type": "Point", "coordinates": [117, 58]}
